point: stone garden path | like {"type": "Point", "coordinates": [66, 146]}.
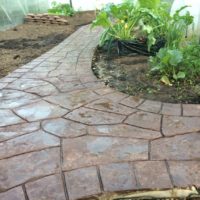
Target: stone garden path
{"type": "Point", "coordinates": [64, 135]}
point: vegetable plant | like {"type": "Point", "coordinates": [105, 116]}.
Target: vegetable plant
{"type": "Point", "coordinates": [61, 9]}
{"type": "Point", "coordinates": [126, 21]}
{"type": "Point", "coordinates": [150, 20]}
{"type": "Point", "coordinates": [177, 64]}
{"type": "Point", "coordinates": [167, 63]}
{"type": "Point", "coordinates": [176, 28]}
{"type": "Point", "coordinates": [191, 61]}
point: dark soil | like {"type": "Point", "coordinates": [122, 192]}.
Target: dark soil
{"type": "Point", "coordinates": [130, 74]}
{"type": "Point", "coordinates": [25, 42]}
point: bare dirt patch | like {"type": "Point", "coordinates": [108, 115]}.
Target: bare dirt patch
{"type": "Point", "coordinates": [130, 74]}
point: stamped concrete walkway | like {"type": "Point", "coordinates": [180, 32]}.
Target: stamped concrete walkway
{"type": "Point", "coordinates": [64, 135]}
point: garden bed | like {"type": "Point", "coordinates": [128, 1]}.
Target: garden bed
{"type": "Point", "coordinates": [130, 74]}
{"type": "Point", "coordinates": [135, 30]}
{"type": "Point", "coordinates": [25, 42]}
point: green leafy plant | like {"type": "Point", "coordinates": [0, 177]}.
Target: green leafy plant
{"type": "Point", "coordinates": [176, 28]}
{"type": "Point", "coordinates": [170, 62]}
{"type": "Point", "coordinates": [61, 9]}
{"type": "Point", "coordinates": [151, 20]}
{"type": "Point", "coordinates": [126, 21]}
{"type": "Point", "coordinates": [151, 4]}
{"type": "Point", "coordinates": [177, 64]}
{"type": "Point", "coordinates": [166, 63]}
{"type": "Point", "coordinates": [191, 61]}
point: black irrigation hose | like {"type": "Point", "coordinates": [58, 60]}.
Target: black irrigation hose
{"type": "Point", "coordinates": [127, 47]}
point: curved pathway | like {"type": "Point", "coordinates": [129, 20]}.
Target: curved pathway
{"type": "Point", "coordinates": [64, 135]}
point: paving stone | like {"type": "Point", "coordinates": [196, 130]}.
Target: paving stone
{"type": "Point", "coordinates": [35, 75]}
{"type": "Point", "coordinates": [64, 128]}
{"type": "Point", "coordinates": [181, 147]}
{"type": "Point", "coordinates": [3, 85]}
{"type": "Point", "coordinates": [82, 183]}
{"type": "Point", "coordinates": [132, 101]}
{"type": "Point", "coordinates": [110, 106]}
{"type": "Point", "coordinates": [116, 96]}
{"type": "Point", "coordinates": [44, 91]}
{"type": "Point", "coordinates": [174, 125]}
{"type": "Point", "coordinates": [152, 175]}
{"type": "Point", "coordinates": [117, 177]}
{"type": "Point", "coordinates": [22, 70]}
{"type": "Point", "coordinates": [40, 110]}
{"type": "Point", "coordinates": [13, 194]}
{"type": "Point", "coordinates": [60, 72]}
{"type": "Point", "coordinates": [13, 131]}
{"type": "Point", "coordinates": [15, 75]}
{"type": "Point", "coordinates": [55, 59]}
{"type": "Point", "coordinates": [59, 81]}
{"type": "Point", "coordinates": [47, 63]}
{"type": "Point", "coordinates": [94, 117]}
{"type": "Point", "coordinates": [70, 67]}
{"type": "Point", "coordinates": [185, 173]}
{"type": "Point", "coordinates": [20, 169]}
{"type": "Point", "coordinates": [69, 60]}
{"type": "Point", "coordinates": [68, 78]}
{"type": "Point", "coordinates": [44, 69]}
{"type": "Point", "coordinates": [39, 87]}
{"type": "Point", "coordinates": [7, 80]}
{"type": "Point", "coordinates": [9, 118]}
{"type": "Point", "coordinates": [95, 85]}
{"type": "Point", "coordinates": [191, 110]}
{"type": "Point", "coordinates": [91, 150]}
{"type": "Point", "coordinates": [88, 78]}
{"type": "Point", "coordinates": [151, 106]}
{"type": "Point", "coordinates": [48, 188]}
{"type": "Point", "coordinates": [24, 84]}
{"type": "Point", "coordinates": [12, 98]}
{"type": "Point", "coordinates": [145, 120]}
{"type": "Point", "coordinates": [123, 130]}
{"type": "Point", "coordinates": [74, 99]}
{"type": "Point", "coordinates": [26, 143]}
{"type": "Point", "coordinates": [171, 109]}
{"type": "Point", "coordinates": [104, 91]}
{"type": "Point", "coordinates": [83, 68]}
{"type": "Point", "coordinates": [68, 86]}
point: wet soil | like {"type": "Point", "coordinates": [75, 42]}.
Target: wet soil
{"type": "Point", "coordinates": [130, 74]}
{"type": "Point", "coordinates": [25, 42]}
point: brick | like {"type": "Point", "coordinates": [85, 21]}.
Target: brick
{"type": "Point", "coordinates": [117, 177]}
{"type": "Point", "coordinates": [82, 183]}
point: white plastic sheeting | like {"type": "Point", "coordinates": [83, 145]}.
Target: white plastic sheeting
{"type": "Point", "coordinates": [12, 12]}
{"type": "Point", "coordinates": [87, 4]}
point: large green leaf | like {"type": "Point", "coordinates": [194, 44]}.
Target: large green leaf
{"type": "Point", "coordinates": [151, 4]}
{"type": "Point", "coordinates": [181, 75]}
{"type": "Point", "coordinates": [176, 57]}
{"type": "Point", "coordinates": [101, 20]}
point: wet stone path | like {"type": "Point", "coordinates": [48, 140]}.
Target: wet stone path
{"type": "Point", "coordinates": [65, 136]}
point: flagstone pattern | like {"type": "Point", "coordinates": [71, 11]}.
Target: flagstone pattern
{"type": "Point", "coordinates": [64, 135]}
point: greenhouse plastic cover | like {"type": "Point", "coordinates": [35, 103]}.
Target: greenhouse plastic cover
{"type": "Point", "coordinates": [12, 12]}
